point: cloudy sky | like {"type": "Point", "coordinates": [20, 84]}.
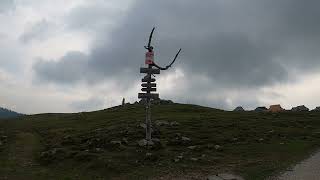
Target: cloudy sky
{"type": "Point", "coordinates": [82, 55]}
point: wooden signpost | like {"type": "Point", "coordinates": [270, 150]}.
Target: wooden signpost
{"type": "Point", "coordinates": [148, 84]}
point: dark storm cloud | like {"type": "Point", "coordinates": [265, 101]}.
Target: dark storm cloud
{"type": "Point", "coordinates": [239, 44]}
{"type": "Point", "coordinates": [69, 69]}
{"type": "Point", "coordinates": [91, 18]}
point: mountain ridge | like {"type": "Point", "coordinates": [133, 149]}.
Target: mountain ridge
{"type": "Point", "coordinates": [7, 113]}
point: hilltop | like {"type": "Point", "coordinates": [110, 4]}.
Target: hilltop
{"type": "Point", "coordinates": [194, 141]}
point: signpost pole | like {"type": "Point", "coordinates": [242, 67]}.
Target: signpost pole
{"type": "Point", "coordinates": [147, 84]}
{"type": "Point", "coordinates": [148, 120]}
{"type": "Point", "coordinates": [148, 111]}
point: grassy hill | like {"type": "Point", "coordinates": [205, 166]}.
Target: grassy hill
{"type": "Point", "coordinates": [103, 144]}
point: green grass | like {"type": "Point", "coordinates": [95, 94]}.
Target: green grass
{"type": "Point", "coordinates": [254, 145]}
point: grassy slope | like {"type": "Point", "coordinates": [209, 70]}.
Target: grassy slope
{"type": "Point", "coordinates": [287, 138]}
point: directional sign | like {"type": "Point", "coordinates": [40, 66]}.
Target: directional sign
{"type": "Point", "coordinates": [148, 89]}
{"type": "Point", "coordinates": [147, 79]}
{"type": "Point", "coordinates": [148, 95]}
{"type": "Point", "coordinates": [149, 85]}
{"type": "Point", "coordinates": [149, 70]}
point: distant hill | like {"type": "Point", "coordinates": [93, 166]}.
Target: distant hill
{"type": "Point", "coordinates": [6, 113]}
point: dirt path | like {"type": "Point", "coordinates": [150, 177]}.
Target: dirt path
{"type": "Point", "coordinates": [24, 149]}
{"type": "Point", "coordinates": [308, 169]}
{"type": "Point", "coordinates": [20, 157]}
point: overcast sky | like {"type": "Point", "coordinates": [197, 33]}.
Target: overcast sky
{"type": "Point", "coordinates": [82, 55]}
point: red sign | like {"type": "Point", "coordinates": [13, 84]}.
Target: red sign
{"type": "Point", "coordinates": [149, 58]}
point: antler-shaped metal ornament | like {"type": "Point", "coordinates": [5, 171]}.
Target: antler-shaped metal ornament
{"type": "Point", "coordinates": [150, 49]}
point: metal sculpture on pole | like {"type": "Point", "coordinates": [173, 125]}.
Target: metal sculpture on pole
{"type": "Point", "coordinates": [148, 84]}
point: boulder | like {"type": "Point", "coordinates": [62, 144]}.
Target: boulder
{"type": "Point", "coordinates": [239, 109]}
{"type": "Point", "coordinates": [301, 108]}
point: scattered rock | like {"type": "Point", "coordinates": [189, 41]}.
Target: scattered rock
{"type": "Point", "coordinates": [142, 142]}
{"type": "Point", "coordinates": [217, 147]}
{"type": "Point", "coordinates": [98, 150]}
{"type": "Point", "coordinates": [234, 139]}
{"type": "Point", "coordinates": [116, 143]}
{"type": "Point", "coordinates": [192, 147]}
{"type": "Point", "coordinates": [180, 157]}
{"type": "Point", "coordinates": [301, 108]}
{"type": "Point", "coordinates": [143, 125]}
{"type": "Point", "coordinates": [185, 139]}
{"type": "Point", "coordinates": [125, 140]}
{"type": "Point", "coordinates": [97, 130]}
{"type": "Point", "coordinates": [85, 156]}
{"type": "Point", "coordinates": [151, 157]}
{"type": "Point", "coordinates": [210, 146]}
{"type": "Point", "coordinates": [271, 131]}
{"type": "Point", "coordinates": [156, 144]}
{"type": "Point", "coordinates": [176, 160]}
{"type": "Point", "coordinates": [52, 154]}
{"type": "Point", "coordinates": [194, 159]}
{"type": "Point", "coordinates": [161, 123]}
{"type": "Point", "coordinates": [174, 123]}
{"type": "Point", "coordinates": [239, 109]}
{"type": "Point", "coordinates": [215, 177]}
{"type": "Point", "coordinates": [261, 139]}
{"type": "Point", "coordinates": [1, 143]}
{"type": "Point", "coordinates": [226, 176]}
{"type": "Point", "coordinates": [68, 140]}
